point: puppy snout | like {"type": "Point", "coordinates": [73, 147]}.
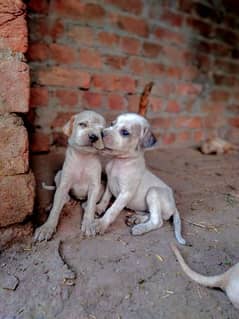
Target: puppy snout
{"type": "Point", "coordinates": [93, 138]}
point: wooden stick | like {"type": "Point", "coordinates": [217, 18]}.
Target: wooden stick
{"type": "Point", "coordinates": [144, 99]}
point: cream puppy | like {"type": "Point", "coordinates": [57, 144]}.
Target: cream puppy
{"type": "Point", "coordinates": [131, 183]}
{"type": "Point", "coordinates": [228, 282]}
{"type": "Point", "coordinates": [81, 172]}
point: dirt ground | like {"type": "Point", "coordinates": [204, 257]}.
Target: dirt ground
{"type": "Point", "coordinates": [118, 276]}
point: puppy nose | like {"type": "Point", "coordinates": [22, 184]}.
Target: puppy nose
{"type": "Point", "coordinates": [93, 138]}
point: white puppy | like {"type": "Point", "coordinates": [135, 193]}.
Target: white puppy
{"type": "Point", "coordinates": [229, 281]}
{"type": "Point", "coordinates": [131, 183]}
{"type": "Point", "coordinates": [81, 172]}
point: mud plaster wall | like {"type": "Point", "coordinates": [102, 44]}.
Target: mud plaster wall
{"type": "Point", "coordinates": [100, 54]}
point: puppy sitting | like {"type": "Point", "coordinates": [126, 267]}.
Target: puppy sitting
{"type": "Point", "coordinates": [81, 172]}
{"type": "Point", "coordinates": [132, 184]}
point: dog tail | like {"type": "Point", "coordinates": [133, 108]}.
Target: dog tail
{"type": "Point", "coordinates": [208, 281]}
{"type": "Point", "coordinates": [178, 228]}
{"type": "Point", "coordinates": [143, 103]}
{"type": "Point", "coordinates": [48, 187]}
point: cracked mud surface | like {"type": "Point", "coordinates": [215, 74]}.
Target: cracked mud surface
{"type": "Point", "coordinates": [118, 276]}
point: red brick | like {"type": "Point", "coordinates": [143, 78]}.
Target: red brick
{"type": "Point", "coordinates": [173, 107]}
{"type": "Point", "coordinates": [221, 79]}
{"type": "Point", "coordinates": [161, 122]}
{"type": "Point", "coordinates": [156, 103]}
{"type": "Point", "coordinates": [108, 39]}
{"type": "Point", "coordinates": [164, 89]}
{"type": "Point", "coordinates": [169, 36]}
{"type": "Point", "coordinates": [151, 49]}
{"type": "Point", "coordinates": [38, 52]}
{"type": "Point", "coordinates": [183, 137]}
{"type": "Point", "coordinates": [155, 69]}
{"type": "Point", "coordinates": [116, 62]}
{"type": "Point", "coordinates": [62, 53]}
{"type": "Point", "coordinates": [16, 198]}
{"type": "Point", "coordinates": [137, 65]}
{"type": "Point", "coordinates": [13, 145]}
{"type": "Point", "coordinates": [133, 25]}
{"type": "Point", "coordinates": [61, 119]}
{"type": "Point", "coordinates": [81, 35]}
{"type": "Point", "coordinates": [198, 136]}
{"type": "Point", "coordinates": [56, 29]}
{"type": "Point", "coordinates": [13, 31]}
{"type": "Point", "coordinates": [110, 82]}
{"type": "Point", "coordinates": [171, 18]}
{"type": "Point", "coordinates": [67, 98]}
{"type": "Point", "coordinates": [38, 97]}
{"type": "Point", "coordinates": [38, 6]}
{"type": "Point", "coordinates": [234, 122]}
{"type": "Point", "coordinates": [214, 120]}
{"type": "Point", "coordinates": [39, 142]}
{"type": "Point", "coordinates": [174, 54]}
{"type": "Point", "coordinates": [116, 102]}
{"type": "Point", "coordinates": [188, 89]}
{"type": "Point", "coordinates": [219, 95]}
{"type": "Point", "coordinates": [130, 45]}
{"type": "Point", "coordinates": [90, 58]}
{"type": "Point", "coordinates": [14, 88]}
{"type": "Point", "coordinates": [93, 99]}
{"type": "Point", "coordinates": [78, 10]}
{"type": "Point", "coordinates": [174, 72]}
{"type": "Point", "coordinates": [60, 76]}
{"type": "Point", "coordinates": [201, 27]}
{"type": "Point", "coordinates": [133, 103]}
{"type": "Point", "coordinates": [132, 6]}
{"type": "Point", "coordinates": [168, 138]}
{"type": "Point", "coordinates": [189, 122]}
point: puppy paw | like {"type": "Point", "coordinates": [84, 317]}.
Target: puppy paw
{"type": "Point", "coordinates": [132, 219]}
{"type": "Point", "coordinates": [88, 227]}
{"type": "Point", "coordinates": [138, 230]}
{"type": "Point", "coordinates": [100, 226]}
{"type": "Point", "coordinates": [45, 232]}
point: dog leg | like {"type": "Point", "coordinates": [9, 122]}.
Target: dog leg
{"type": "Point", "coordinates": [110, 215]}
{"type": "Point", "coordinates": [88, 227]}
{"type": "Point", "coordinates": [103, 204]}
{"type": "Point", "coordinates": [46, 231]}
{"type": "Point", "coordinates": [155, 219]}
{"type": "Point", "coordinates": [135, 218]}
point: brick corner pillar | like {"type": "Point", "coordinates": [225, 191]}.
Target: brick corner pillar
{"type": "Point", "coordinates": [17, 182]}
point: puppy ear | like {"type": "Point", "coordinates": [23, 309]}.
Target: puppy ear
{"type": "Point", "coordinates": [68, 127]}
{"type": "Point", "coordinates": [148, 138]}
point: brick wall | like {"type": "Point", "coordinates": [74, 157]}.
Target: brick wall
{"type": "Point", "coordinates": [100, 54]}
{"type": "Point", "coordinates": [16, 181]}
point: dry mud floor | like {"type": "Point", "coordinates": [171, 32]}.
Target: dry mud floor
{"type": "Point", "coordinates": [119, 276]}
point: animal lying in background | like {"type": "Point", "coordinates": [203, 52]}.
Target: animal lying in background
{"type": "Point", "coordinates": [228, 281]}
{"type": "Point", "coordinates": [80, 174]}
{"type": "Point", "coordinates": [217, 146]}
{"type": "Point", "coordinates": [131, 183]}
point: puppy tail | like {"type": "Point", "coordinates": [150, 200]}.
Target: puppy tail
{"type": "Point", "coordinates": [144, 99]}
{"type": "Point", "coordinates": [178, 228]}
{"type": "Point", "coordinates": [48, 187]}
{"type": "Point", "coordinates": [208, 281]}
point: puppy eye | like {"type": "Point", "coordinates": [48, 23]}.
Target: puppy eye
{"type": "Point", "coordinates": [124, 132]}
{"type": "Point", "coordinates": [83, 125]}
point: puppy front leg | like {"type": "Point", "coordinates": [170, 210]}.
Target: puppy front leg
{"type": "Point", "coordinates": [103, 204]}
{"type": "Point", "coordinates": [119, 204]}
{"type": "Point", "coordinates": [87, 224]}
{"type": "Point", "coordinates": [46, 231]}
